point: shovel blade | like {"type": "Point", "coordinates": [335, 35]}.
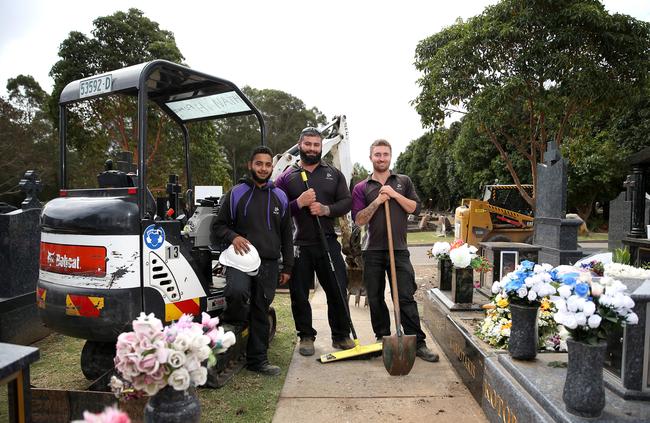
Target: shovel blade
{"type": "Point", "coordinates": [399, 354]}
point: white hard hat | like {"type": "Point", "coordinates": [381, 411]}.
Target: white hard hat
{"type": "Point", "coordinates": [249, 262]}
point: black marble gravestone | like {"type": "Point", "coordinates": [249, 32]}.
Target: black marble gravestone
{"type": "Point", "coordinates": [556, 235]}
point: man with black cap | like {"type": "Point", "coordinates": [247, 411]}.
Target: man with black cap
{"type": "Point", "coordinates": [328, 198]}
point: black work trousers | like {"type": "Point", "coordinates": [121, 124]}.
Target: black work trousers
{"type": "Point", "coordinates": [376, 267]}
{"type": "Point", "coordinates": [307, 260]}
{"type": "Point", "coordinates": [248, 299]}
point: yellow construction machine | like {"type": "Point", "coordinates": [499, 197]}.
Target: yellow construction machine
{"type": "Point", "coordinates": [501, 216]}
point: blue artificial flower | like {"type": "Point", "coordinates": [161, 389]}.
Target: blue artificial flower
{"type": "Point", "coordinates": [581, 289]}
{"type": "Point", "coordinates": [569, 278]}
{"type": "Point", "coordinates": [514, 285]}
{"type": "Point", "coordinates": [553, 274]}
{"type": "Point", "coordinates": [528, 265]}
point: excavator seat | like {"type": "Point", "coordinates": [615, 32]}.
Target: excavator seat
{"type": "Point", "coordinates": [114, 179]}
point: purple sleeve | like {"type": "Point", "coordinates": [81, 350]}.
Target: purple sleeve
{"type": "Point", "coordinates": [282, 182]}
{"type": "Point", "coordinates": [358, 199]}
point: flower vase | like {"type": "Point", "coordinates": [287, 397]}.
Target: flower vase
{"type": "Point", "coordinates": [172, 406]}
{"type": "Point", "coordinates": [462, 285]}
{"type": "Point", "coordinates": [523, 332]}
{"type": "Point", "coordinates": [445, 270]}
{"type": "Point", "coordinates": [584, 394]}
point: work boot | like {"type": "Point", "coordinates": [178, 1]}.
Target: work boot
{"type": "Point", "coordinates": [426, 354]}
{"type": "Point", "coordinates": [266, 368]}
{"type": "Point", "coordinates": [306, 347]}
{"type": "Point", "coordinates": [343, 344]}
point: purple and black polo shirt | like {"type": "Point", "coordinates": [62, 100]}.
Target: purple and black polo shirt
{"type": "Point", "coordinates": [376, 236]}
{"type": "Point", "coordinates": [331, 190]}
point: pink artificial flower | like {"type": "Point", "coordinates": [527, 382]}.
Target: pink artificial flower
{"type": "Point", "coordinates": [208, 322]}
{"type": "Point", "coordinates": [109, 415]}
{"type": "Point", "coordinates": [148, 364]}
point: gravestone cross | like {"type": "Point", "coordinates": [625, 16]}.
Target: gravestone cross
{"type": "Point", "coordinates": [31, 186]}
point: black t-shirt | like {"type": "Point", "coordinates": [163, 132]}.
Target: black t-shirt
{"type": "Point", "coordinates": [331, 190]}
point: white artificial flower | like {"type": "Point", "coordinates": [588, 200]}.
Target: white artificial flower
{"type": "Point", "coordinates": [564, 291]}
{"type": "Point", "coordinates": [570, 321]}
{"type": "Point", "coordinates": [179, 379]}
{"type": "Point", "coordinates": [594, 321]}
{"type": "Point", "coordinates": [581, 319]}
{"type": "Point", "coordinates": [176, 358]}
{"type": "Point", "coordinates": [440, 249]}
{"type": "Point", "coordinates": [632, 319]}
{"type": "Point", "coordinates": [589, 308]}
{"type": "Point", "coordinates": [461, 256]}
{"type": "Point", "coordinates": [628, 302]}
{"type": "Point", "coordinates": [182, 342]}
{"type": "Point", "coordinates": [496, 287]}
{"type": "Point", "coordinates": [227, 341]}
{"type": "Point", "coordinates": [572, 303]}
{"type": "Point", "coordinates": [199, 376]}
{"type": "Point", "coordinates": [522, 292]}
{"type": "Point", "coordinates": [532, 295]}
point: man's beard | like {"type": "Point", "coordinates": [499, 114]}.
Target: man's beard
{"type": "Point", "coordinates": [310, 159]}
{"type": "Point", "coordinates": [380, 167]}
{"type": "Point", "coordinates": [257, 178]}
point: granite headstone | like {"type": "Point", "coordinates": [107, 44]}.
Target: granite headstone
{"type": "Point", "coordinates": [556, 235]}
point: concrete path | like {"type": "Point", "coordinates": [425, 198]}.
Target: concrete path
{"type": "Point", "coordinates": [362, 391]}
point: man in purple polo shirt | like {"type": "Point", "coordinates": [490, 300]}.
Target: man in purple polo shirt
{"type": "Point", "coordinates": [368, 199]}
{"type": "Point", "coordinates": [328, 197]}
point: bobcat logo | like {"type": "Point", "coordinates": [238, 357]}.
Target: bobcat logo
{"type": "Point", "coordinates": [50, 257]}
{"type": "Point", "coordinates": [276, 210]}
{"type": "Point", "coordinates": [399, 187]}
{"type": "Point", "coordinates": [329, 177]}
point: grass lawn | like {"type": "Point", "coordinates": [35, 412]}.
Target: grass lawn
{"type": "Point", "coordinates": [248, 397]}
{"type": "Point", "coordinates": [415, 238]}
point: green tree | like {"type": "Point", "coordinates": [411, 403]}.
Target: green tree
{"type": "Point", "coordinates": [529, 71]}
{"type": "Point", "coordinates": [359, 173]}
{"type": "Point", "coordinates": [100, 127]}
{"type": "Point", "coordinates": [284, 115]}
{"type": "Point", "coordinates": [26, 139]}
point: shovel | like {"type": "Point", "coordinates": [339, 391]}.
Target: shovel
{"type": "Point", "coordinates": [399, 350]}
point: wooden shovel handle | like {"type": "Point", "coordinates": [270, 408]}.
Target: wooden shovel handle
{"type": "Point", "coordinates": [393, 272]}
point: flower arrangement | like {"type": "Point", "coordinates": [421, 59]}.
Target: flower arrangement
{"type": "Point", "coordinates": [109, 415]}
{"type": "Point", "coordinates": [439, 251]}
{"type": "Point", "coordinates": [463, 255]}
{"type": "Point", "coordinates": [589, 310]}
{"type": "Point", "coordinates": [619, 270]}
{"type": "Point", "coordinates": [596, 267]}
{"type": "Point", "coordinates": [152, 356]}
{"type": "Point", "coordinates": [528, 284]}
{"type": "Point", "coordinates": [495, 327]}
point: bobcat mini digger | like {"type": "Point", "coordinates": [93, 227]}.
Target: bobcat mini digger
{"type": "Point", "coordinates": [111, 251]}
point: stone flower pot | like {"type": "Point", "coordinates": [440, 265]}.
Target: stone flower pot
{"type": "Point", "coordinates": [172, 406]}
{"type": "Point", "coordinates": [584, 394]}
{"type": "Point", "coordinates": [462, 285]}
{"type": "Point", "coordinates": [445, 270]}
{"type": "Point", "coordinates": [523, 332]}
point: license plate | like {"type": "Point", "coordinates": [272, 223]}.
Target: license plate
{"type": "Point", "coordinates": [95, 86]}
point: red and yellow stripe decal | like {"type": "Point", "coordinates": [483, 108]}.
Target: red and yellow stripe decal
{"type": "Point", "coordinates": [83, 305]}
{"type": "Point", "coordinates": [173, 311]}
{"type": "Point", "coordinates": [40, 297]}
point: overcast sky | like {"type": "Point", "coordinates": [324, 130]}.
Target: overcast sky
{"type": "Point", "coordinates": [344, 57]}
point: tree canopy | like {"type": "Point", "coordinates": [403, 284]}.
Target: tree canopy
{"type": "Point", "coordinates": [285, 116]}
{"type": "Point", "coordinates": [527, 72]}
